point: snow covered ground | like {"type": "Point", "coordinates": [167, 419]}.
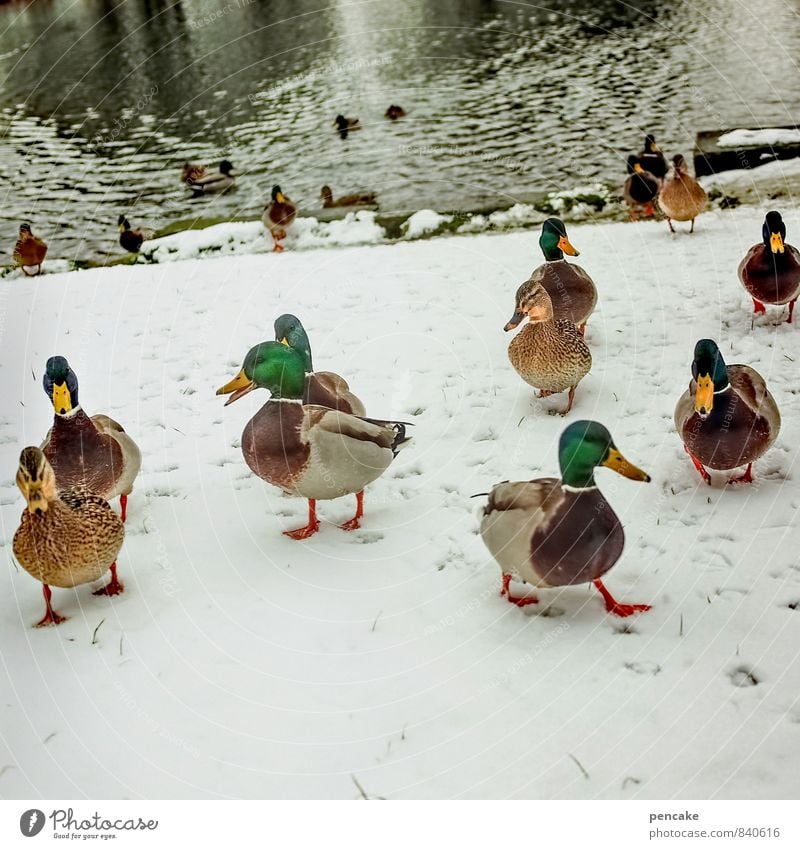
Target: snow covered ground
{"type": "Point", "coordinates": [239, 663]}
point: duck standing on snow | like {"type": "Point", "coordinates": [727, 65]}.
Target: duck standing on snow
{"type": "Point", "coordinates": [553, 532]}
{"type": "Point", "coordinates": [571, 289]}
{"type": "Point", "coordinates": [324, 388]}
{"type": "Point", "coordinates": [726, 418]}
{"type": "Point", "coordinates": [66, 536]}
{"type": "Point", "coordinates": [214, 182]}
{"type": "Point", "coordinates": [29, 251]}
{"type": "Point", "coordinates": [94, 453]}
{"type": "Point", "coordinates": [640, 190]}
{"type": "Point", "coordinates": [130, 239]}
{"type": "Point", "coordinates": [550, 354]}
{"type": "Point", "coordinates": [305, 449]}
{"type": "Point", "coordinates": [681, 197]}
{"type": "Point", "coordinates": [770, 270]}
{"type": "Point", "coordinates": [326, 195]}
{"type": "Point", "coordinates": [652, 159]}
{"type": "Point", "coordinates": [278, 217]}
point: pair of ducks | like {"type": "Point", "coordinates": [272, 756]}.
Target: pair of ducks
{"type": "Point", "coordinates": [203, 181]}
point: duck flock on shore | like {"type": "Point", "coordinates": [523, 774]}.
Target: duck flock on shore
{"type": "Point", "coordinates": [313, 439]}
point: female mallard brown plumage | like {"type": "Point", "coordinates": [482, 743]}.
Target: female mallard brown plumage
{"type": "Point", "coordinates": [324, 388]}
{"type": "Point", "coordinates": [640, 190]}
{"type": "Point", "coordinates": [553, 532]}
{"type": "Point", "coordinates": [29, 251]}
{"type": "Point", "coordinates": [326, 195]}
{"type": "Point", "coordinates": [192, 171]}
{"type": "Point", "coordinates": [66, 537]}
{"type": "Point", "coordinates": [770, 270]}
{"type": "Point", "coordinates": [726, 418]}
{"type": "Point", "coordinates": [304, 449]}
{"type": "Point", "coordinates": [681, 197]}
{"type": "Point", "coordinates": [549, 354]}
{"type": "Point", "coordinates": [571, 289]}
{"type": "Point", "coordinates": [95, 452]}
{"type": "Point", "coordinates": [278, 217]}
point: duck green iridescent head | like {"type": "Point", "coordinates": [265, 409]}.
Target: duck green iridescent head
{"type": "Point", "coordinates": [272, 366]}
{"type": "Point", "coordinates": [554, 242]}
{"type": "Point", "coordinates": [61, 385]}
{"type": "Point", "coordinates": [289, 331]}
{"type": "Point", "coordinates": [774, 232]}
{"type": "Point", "coordinates": [584, 446]}
{"type": "Point", "coordinates": [710, 373]}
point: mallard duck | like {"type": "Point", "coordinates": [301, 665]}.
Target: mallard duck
{"type": "Point", "coordinates": [278, 217]}
{"type": "Point", "coordinates": [726, 418]}
{"type": "Point", "coordinates": [324, 388]}
{"type": "Point", "coordinates": [394, 112]}
{"type": "Point", "coordinates": [549, 354]}
{"type": "Point", "coordinates": [307, 450]}
{"type": "Point", "coordinates": [215, 181]}
{"type": "Point", "coordinates": [770, 270]}
{"type": "Point", "coordinates": [553, 532]}
{"type": "Point", "coordinates": [571, 290]}
{"type": "Point", "coordinates": [29, 251]}
{"type": "Point", "coordinates": [95, 452]}
{"type": "Point", "coordinates": [681, 197]}
{"type": "Point", "coordinates": [66, 537]}
{"type": "Point", "coordinates": [345, 125]}
{"type": "Point", "coordinates": [640, 189]}
{"type": "Point", "coordinates": [326, 195]}
{"type": "Point", "coordinates": [652, 159]}
{"type": "Point", "coordinates": [129, 239]}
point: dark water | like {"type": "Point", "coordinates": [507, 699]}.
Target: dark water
{"type": "Point", "coordinates": [102, 101]}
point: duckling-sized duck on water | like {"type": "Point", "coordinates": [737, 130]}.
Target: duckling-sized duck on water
{"type": "Point", "coordinates": [278, 217]}
{"type": "Point", "coordinates": [66, 537]}
{"type": "Point", "coordinates": [215, 181]}
{"type": "Point", "coordinates": [553, 532]}
{"type": "Point", "coordinates": [770, 270]}
{"type": "Point", "coordinates": [304, 449]}
{"type": "Point", "coordinates": [29, 251]}
{"type": "Point", "coordinates": [640, 190]}
{"type": "Point", "coordinates": [325, 388]}
{"type": "Point", "coordinates": [726, 418]}
{"type": "Point", "coordinates": [571, 289]}
{"type": "Point", "coordinates": [326, 195]}
{"type": "Point", "coordinates": [549, 354]}
{"type": "Point", "coordinates": [681, 197]}
{"type": "Point", "coordinates": [95, 452]}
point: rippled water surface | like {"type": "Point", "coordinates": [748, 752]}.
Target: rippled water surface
{"type": "Point", "coordinates": [102, 101]}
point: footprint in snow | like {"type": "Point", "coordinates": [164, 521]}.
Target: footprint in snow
{"type": "Point", "coordinates": [743, 676]}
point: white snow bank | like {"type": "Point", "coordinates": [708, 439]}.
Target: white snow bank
{"type": "Point", "coordinates": [424, 222]}
{"type": "Point", "coordinates": [770, 174]}
{"type": "Point", "coordinates": [759, 138]}
{"type": "Point", "coordinates": [240, 663]}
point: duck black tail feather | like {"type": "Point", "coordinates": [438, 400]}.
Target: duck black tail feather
{"type": "Point", "coordinates": [399, 428]}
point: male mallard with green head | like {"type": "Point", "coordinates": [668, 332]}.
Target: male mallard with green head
{"type": "Point", "coordinates": [278, 217]}
{"type": "Point", "coordinates": [66, 537]}
{"type": "Point", "coordinates": [95, 452]}
{"type": "Point", "coordinates": [304, 449]}
{"type": "Point", "coordinates": [770, 270]}
{"type": "Point", "coordinates": [681, 197]}
{"type": "Point", "coordinates": [550, 354]}
{"type": "Point", "coordinates": [726, 418]}
{"type": "Point", "coordinates": [553, 532]}
{"type": "Point", "coordinates": [325, 388]}
{"type": "Point", "coordinates": [571, 289]}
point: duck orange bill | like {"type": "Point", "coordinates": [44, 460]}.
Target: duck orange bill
{"type": "Point", "coordinates": [704, 397]}
{"type": "Point", "coordinates": [565, 245]}
{"type": "Point", "coordinates": [515, 320]}
{"type": "Point", "coordinates": [239, 386]}
{"type": "Point", "coordinates": [621, 466]}
{"type": "Point", "coordinates": [776, 243]}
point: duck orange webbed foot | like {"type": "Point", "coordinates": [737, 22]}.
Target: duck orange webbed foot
{"type": "Point", "coordinates": [520, 601]}
{"type": "Point", "coordinates": [747, 477]}
{"type": "Point", "coordinates": [354, 524]}
{"type": "Point", "coordinates": [50, 617]}
{"type": "Point", "coordinates": [113, 587]}
{"type": "Point", "coordinates": [311, 528]}
{"type": "Point", "coordinates": [699, 466]}
{"type": "Point", "coordinates": [759, 308]}
{"type": "Point", "coordinates": [618, 608]}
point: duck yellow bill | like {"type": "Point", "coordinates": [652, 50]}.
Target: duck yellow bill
{"type": "Point", "coordinates": [565, 245]}
{"type": "Point", "coordinates": [285, 341]}
{"type": "Point", "coordinates": [239, 386]}
{"type": "Point", "coordinates": [704, 397]}
{"type": "Point", "coordinates": [616, 462]}
{"type": "Point", "coordinates": [280, 197]}
{"type": "Point", "coordinates": [62, 400]}
{"type": "Point", "coordinates": [776, 243]}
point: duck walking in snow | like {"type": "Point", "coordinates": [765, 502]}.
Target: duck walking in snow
{"type": "Point", "coordinates": [640, 190]}
{"type": "Point", "coordinates": [726, 418]}
{"type": "Point", "coordinates": [66, 536]}
{"type": "Point", "coordinates": [278, 217]}
{"type": "Point", "coordinates": [550, 354]}
{"type": "Point", "coordinates": [29, 251]}
{"type": "Point", "coordinates": [571, 289]}
{"type": "Point", "coordinates": [94, 453]}
{"type": "Point", "coordinates": [770, 270]}
{"type": "Point", "coordinates": [304, 449]}
{"type": "Point", "coordinates": [681, 197]}
{"type": "Point", "coordinates": [325, 388]}
{"type": "Point", "coordinates": [553, 532]}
